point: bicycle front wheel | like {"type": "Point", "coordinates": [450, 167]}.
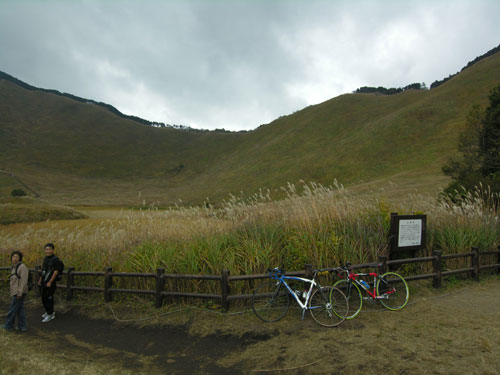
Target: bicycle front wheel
{"type": "Point", "coordinates": [270, 301]}
{"type": "Point", "coordinates": [394, 290]}
{"type": "Point", "coordinates": [353, 295]}
{"type": "Point", "coordinates": [329, 306]}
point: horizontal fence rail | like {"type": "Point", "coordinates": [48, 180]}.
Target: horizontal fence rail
{"type": "Point", "coordinates": [224, 279]}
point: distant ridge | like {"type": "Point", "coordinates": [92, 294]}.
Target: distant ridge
{"type": "Point", "coordinates": [109, 107]}
{"type": "Point", "coordinates": [477, 59]}
{"type": "Point", "coordinates": [421, 86]}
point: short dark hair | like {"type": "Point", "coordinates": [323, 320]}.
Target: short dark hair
{"type": "Point", "coordinates": [18, 253]}
{"type": "Point", "coordinates": [50, 244]}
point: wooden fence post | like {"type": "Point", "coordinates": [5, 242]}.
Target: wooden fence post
{"type": "Point", "coordinates": [498, 259]}
{"type": "Point", "coordinates": [108, 283]}
{"type": "Point", "coordinates": [225, 289]}
{"type": "Point", "coordinates": [69, 283]}
{"type": "Point", "coordinates": [382, 265]}
{"type": "Point", "coordinates": [309, 271]}
{"type": "Point", "coordinates": [160, 283]}
{"type": "Point", "coordinates": [436, 281]}
{"type": "Point", "coordinates": [38, 275]}
{"type": "Point", "coordinates": [475, 263]}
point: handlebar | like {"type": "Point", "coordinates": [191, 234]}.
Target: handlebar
{"type": "Point", "coordinates": [275, 273]}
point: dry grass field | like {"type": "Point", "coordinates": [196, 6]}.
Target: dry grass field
{"type": "Point", "coordinates": [318, 225]}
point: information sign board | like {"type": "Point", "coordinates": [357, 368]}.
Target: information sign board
{"type": "Point", "coordinates": [407, 233]}
{"type": "Point", "coordinates": [410, 233]}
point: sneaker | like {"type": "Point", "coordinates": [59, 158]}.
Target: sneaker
{"type": "Point", "coordinates": [48, 318]}
{"type": "Point", "coordinates": [44, 315]}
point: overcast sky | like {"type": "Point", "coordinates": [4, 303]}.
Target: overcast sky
{"type": "Point", "coordinates": [237, 64]}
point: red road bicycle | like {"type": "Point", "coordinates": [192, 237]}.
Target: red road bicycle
{"type": "Point", "coordinates": [390, 289]}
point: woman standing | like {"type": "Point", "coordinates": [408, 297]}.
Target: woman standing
{"type": "Point", "coordinates": [18, 290]}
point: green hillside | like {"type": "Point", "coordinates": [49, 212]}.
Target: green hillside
{"type": "Point", "coordinates": [80, 153]}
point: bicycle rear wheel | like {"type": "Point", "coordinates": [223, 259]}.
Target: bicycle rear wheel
{"type": "Point", "coordinates": [353, 295]}
{"type": "Point", "coordinates": [270, 301]}
{"type": "Point", "coordinates": [328, 306]}
{"type": "Point", "coordinates": [394, 289]}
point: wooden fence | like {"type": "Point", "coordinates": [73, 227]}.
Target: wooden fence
{"type": "Point", "coordinates": [439, 270]}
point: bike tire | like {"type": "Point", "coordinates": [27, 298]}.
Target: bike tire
{"type": "Point", "coordinates": [328, 306]}
{"type": "Point", "coordinates": [394, 288]}
{"type": "Point", "coordinates": [354, 297]}
{"type": "Point", "coordinates": [270, 301]}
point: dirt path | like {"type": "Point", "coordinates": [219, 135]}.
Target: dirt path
{"type": "Point", "coordinates": [450, 331]}
{"type": "Point", "coordinates": [142, 350]}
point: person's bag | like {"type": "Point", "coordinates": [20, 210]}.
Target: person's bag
{"type": "Point", "coordinates": [31, 283]}
{"type": "Point", "coordinates": [59, 266]}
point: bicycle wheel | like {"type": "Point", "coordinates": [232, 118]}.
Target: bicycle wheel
{"type": "Point", "coordinates": [394, 289]}
{"type": "Point", "coordinates": [329, 306]}
{"type": "Point", "coordinates": [270, 301]}
{"type": "Point", "coordinates": [354, 297]}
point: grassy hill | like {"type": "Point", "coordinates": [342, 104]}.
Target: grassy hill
{"type": "Point", "coordinates": [80, 153]}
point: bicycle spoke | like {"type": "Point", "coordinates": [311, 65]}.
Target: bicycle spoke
{"type": "Point", "coordinates": [270, 302]}
{"type": "Point", "coordinates": [394, 291]}
{"type": "Point", "coordinates": [328, 306]}
{"type": "Point", "coordinates": [353, 295]}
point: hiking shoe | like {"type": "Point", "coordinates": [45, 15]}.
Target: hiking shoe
{"type": "Point", "coordinates": [48, 318]}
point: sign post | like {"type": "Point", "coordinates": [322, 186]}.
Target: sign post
{"type": "Point", "coordinates": [406, 235]}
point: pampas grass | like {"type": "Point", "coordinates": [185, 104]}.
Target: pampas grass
{"type": "Point", "coordinates": [323, 226]}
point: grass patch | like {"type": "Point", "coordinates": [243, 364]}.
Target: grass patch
{"type": "Point", "coordinates": [27, 210]}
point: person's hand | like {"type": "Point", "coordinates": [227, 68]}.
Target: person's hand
{"type": "Point", "coordinates": [39, 282]}
{"type": "Point", "coordinates": [49, 284]}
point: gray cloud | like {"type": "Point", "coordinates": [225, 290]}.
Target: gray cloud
{"type": "Point", "coordinates": [236, 65]}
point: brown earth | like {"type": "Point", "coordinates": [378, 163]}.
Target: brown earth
{"type": "Point", "coordinates": [454, 330]}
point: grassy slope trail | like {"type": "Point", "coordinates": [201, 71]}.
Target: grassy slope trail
{"type": "Point", "coordinates": [448, 331]}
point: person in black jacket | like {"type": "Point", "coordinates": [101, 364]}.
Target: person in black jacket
{"type": "Point", "coordinates": [50, 269]}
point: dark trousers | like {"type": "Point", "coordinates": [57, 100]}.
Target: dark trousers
{"type": "Point", "coordinates": [48, 297]}
{"type": "Point", "coordinates": [16, 310]}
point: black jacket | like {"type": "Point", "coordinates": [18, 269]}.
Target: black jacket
{"type": "Point", "coordinates": [50, 264]}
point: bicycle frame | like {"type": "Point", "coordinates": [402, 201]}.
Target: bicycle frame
{"type": "Point", "coordinates": [282, 280]}
{"type": "Point", "coordinates": [271, 299]}
{"type": "Point", "coordinates": [353, 277]}
{"type": "Point", "coordinates": [383, 289]}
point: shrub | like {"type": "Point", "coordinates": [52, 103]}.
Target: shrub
{"type": "Point", "coordinates": [18, 193]}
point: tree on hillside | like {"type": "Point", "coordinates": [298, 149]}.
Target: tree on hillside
{"type": "Point", "coordinates": [465, 170]}
{"type": "Point", "coordinates": [490, 139]}
{"type": "Point", "coordinates": [479, 146]}
{"type": "Point", "coordinates": [390, 91]}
